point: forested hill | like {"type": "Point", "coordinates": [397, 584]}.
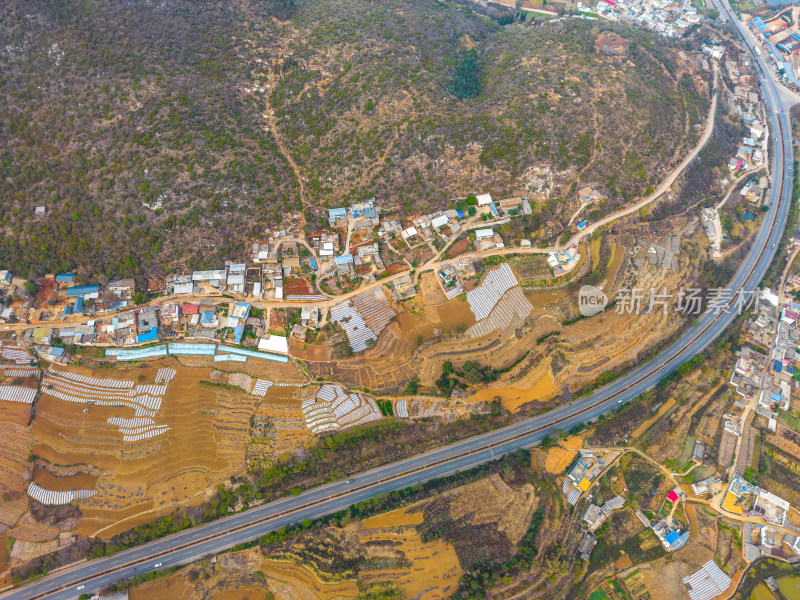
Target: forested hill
{"type": "Point", "coordinates": [157, 133]}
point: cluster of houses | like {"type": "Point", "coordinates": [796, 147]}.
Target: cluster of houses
{"type": "Point", "coordinates": [669, 19]}
{"type": "Point", "coordinates": [453, 275]}
{"type": "Point", "coordinates": [764, 375]}
{"type": "Point", "coordinates": [751, 151]}
{"type": "Point", "coordinates": [67, 297]}
{"type": "Point", "coordinates": [745, 498]}
{"type": "Point", "coordinates": [744, 104]}
{"type": "Point", "coordinates": [285, 267]}
{"type": "Point", "coordinates": [206, 320]}
{"type": "Point", "coordinates": [771, 372]}
{"type": "Point", "coordinates": [765, 540]}
{"type": "Point", "coordinates": [781, 43]}
{"type": "Point", "coordinates": [671, 532]}
{"type": "Point", "coordinates": [449, 224]}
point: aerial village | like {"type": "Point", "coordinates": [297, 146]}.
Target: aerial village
{"type": "Point", "coordinates": [361, 259]}
{"type": "Point", "coordinates": [757, 415]}
{"type": "Point", "coordinates": [669, 19]}
{"type": "Point", "coordinates": [780, 43]}
{"type": "Point", "coordinates": [237, 305]}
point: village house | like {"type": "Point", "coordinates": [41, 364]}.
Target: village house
{"type": "Point", "coordinates": [122, 288]}
{"type": "Point", "coordinates": [588, 195]}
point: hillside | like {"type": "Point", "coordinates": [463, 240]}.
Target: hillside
{"type": "Point", "coordinates": [160, 134]}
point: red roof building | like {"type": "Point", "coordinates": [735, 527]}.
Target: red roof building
{"type": "Point", "coordinates": [191, 309]}
{"type": "Point", "coordinates": [672, 496]}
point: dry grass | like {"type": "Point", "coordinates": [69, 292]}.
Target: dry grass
{"type": "Point", "coordinates": [646, 424]}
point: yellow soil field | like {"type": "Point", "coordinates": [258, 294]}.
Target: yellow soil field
{"type": "Point", "coordinates": [289, 580]}
{"type": "Point", "coordinates": [16, 447]}
{"type": "Point", "coordinates": [630, 334]}
{"type": "Point", "coordinates": [205, 446]}
{"type": "Point", "coordinates": [29, 530]}
{"type": "Point", "coordinates": [623, 563]}
{"type": "Point", "coordinates": [174, 587]}
{"type": "Point", "coordinates": [409, 515]}
{"type": "Point", "coordinates": [783, 439]}
{"type": "Point", "coordinates": [614, 262]}
{"type": "Point", "coordinates": [594, 248]}
{"type": "Point", "coordinates": [540, 299]}
{"type": "Point", "coordinates": [537, 385]}
{"type": "Point", "coordinates": [434, 572]}
{"type": "Point", "coordinates": [254, 367]}
{"type": "Point", "coordinates": [242, 593]}
{"type": "Point", "coordinates": [14, 453]}
{"type": "Point", "coordinates": [558, 459]}
{"type": "Point", "coordinates": [61, 484]}
{"type": "Point", "coordinates": [10, 512]}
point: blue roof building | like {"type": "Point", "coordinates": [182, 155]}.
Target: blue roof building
{"type": "Point", "coordinates": [77, 308]}
{"type": "Point", "coordinates": [83, 290]}
{"type": "Point", "coordinates": [493, 208]}
{"type": "Point", "coordinates": [344, 258]}
{"type": "Point", "coordinates": [238, 332]}
{"type": "Point", "coordinates": [758, 22]}
{"type": "Point", "coordinates": [150, 336]}
{"type": "Point", "coordinates": [775, 397]}
{"type": "Point", "coordinates": [777, 366]}
{"type": "Point", "coordinates": [207, 317]}
{"type": "Point", "coordinates": [65, 277]}
{"type": "Point", "coordinates": [582, 225]}
{"type": "Point", "coordinates": [672, 538]}
{"type": "Point", "coordinates": [117, 305]}
{"type": "Point", "coordinates": [459, 213]}
{"type": "Point", "coordinates": [337, 214]}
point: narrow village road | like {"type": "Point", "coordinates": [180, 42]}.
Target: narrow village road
{"type": "Point", "coordinates": [665, 185]}
{"type": "Point", "coordinates": [435, 262]}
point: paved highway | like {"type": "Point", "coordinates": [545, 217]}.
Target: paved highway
{"type": "Point", "coordinates": [186, 546]}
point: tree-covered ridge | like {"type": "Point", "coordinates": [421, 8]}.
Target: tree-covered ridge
{"type": "Point", "coordinates": [152, 132]}
{"type": "Point", "coordinates": [128, 123]}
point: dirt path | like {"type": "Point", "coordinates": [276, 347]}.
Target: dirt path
{"type": "Point", "coordinates": [435, 262]}
{"type": "Point", "coordinates": [576, 214]}
{"type": "Point", "coordinates": [714, 503]}
{"type": "Point", "coordinates": [273, 128]}
{"type": "Point", "coordinates": [381, 160]}
{"type": "Point", "coordinates": [594, 149]}
{"type": "Point", "coordinates": [734, 184]}
{"type": "Point", "coordinates": [645, 425]}
{"type": "Point", "coordinates": [665, 185]}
